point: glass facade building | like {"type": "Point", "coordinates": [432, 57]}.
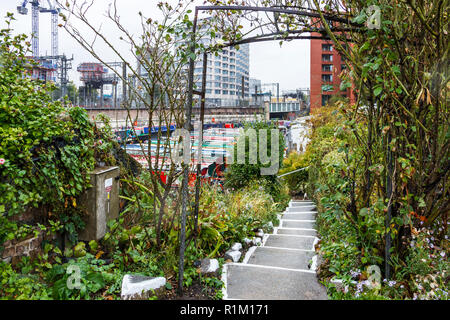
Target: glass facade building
{"type": "Point", "coordinates": [227, 76]}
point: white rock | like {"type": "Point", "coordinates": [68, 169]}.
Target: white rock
{"type": "Point", "coordinates": [247, 241]}
{"type": "Point", "coordinates": [313, 266]}
{"type": "Point", "coordinates": [270, 224]}
{"type": "Point", "coordinates": [233, 255]}
{"type": "Point", "coordinates": [256, 241]}
{"type": "Point", "coordinates": [236, 247]}
{"type": "Point", "coordinates": [260, 234]}
{"type": "Point", "coordinates": [209, 266]}
{"type": "Point", "coordinates": [139, 287]}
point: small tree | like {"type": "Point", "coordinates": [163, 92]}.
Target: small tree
{"type": "Point", "coordinates": [156, 85]}
{"type": "Point", "coordinates": [239, 175]}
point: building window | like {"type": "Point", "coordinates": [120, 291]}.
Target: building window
{"type": "Point", "coordinates": [325, 99]}
{"type": "Point", "coordinates": [217, 84]}
{"type": "Point", "coordinates": [327, 47]}
{"type": "Point", "coordinates": [343, 66]}
{"type": "Point", "coordinates": [217, 91]}
{"type": "Point", "coordinates": [217, 63]}
{"type": "Point", "coordinates": [327, 67]}
{"type": "Point", "coordinates": [327, 78]}
{"type": "Point", "coordinates": [218, 78]}
{"type": "Point", "coordinates": [225, 91]}
{"type": "Point", "coordinates": [217, 70]}
{"type": "Point", "coordinates": [327, 57]}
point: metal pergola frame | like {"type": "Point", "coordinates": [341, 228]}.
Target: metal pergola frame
{"type": "Point", "coordinates": [280, 35]}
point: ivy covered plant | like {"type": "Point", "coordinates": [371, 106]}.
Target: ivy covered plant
{"type": "Point", "coordinates": [46, 149]}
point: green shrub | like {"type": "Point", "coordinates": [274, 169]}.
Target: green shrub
{"type": "Point", "coordinates": [46, 150]}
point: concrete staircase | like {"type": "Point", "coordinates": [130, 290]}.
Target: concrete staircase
{"type": "Point", "coordinates": [280, 268]}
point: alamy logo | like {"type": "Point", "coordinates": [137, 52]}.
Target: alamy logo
{"type": "Point", "coordinates": [374, 17]}
{"type": "Point", "coordinates": [74, 280]}
{"type": "Point", "coordinates": [374, 276]}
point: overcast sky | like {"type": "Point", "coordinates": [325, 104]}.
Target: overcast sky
{"type": "Point", "coordinates": [288, 65]}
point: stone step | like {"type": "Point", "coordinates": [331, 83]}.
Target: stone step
{"type": "Point", "coordinates": [302, 209]}
{"type": "Point", "coordinates": [299, 216]}
{"type": "Point", "coordinates": [301, 204]}
{"type": "Point", "coordinates": [290, 241]}
{"type": "Point", "coordinates": [297, 224]}
{"type": "Point", "coordinates": [299, 232]}
{"type": "Point", "coordinates": [251, 282]}
{"type": "Point", "coordinates": [283, 258]}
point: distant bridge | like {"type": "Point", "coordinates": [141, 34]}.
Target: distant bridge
{"type": "Point", "coordinates": [291, 106]}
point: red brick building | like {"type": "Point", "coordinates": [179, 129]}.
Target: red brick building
{"type": "Point", "coordinates": [326, 66]}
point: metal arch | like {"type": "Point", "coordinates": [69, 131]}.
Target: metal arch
{"type": "Point", "coordinates": [311, 13]}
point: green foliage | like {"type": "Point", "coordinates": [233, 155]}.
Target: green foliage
{"type": "Point", "coordinates": [225, 218]}
{"type": "Point", "coordinates": [241, 175]}
{"type": "Point", "coordinates": [95, 277]}
{"type": "Point", "coordinates": [45, 149]}
{"type": "Point", "coordinates": [17, 286]}
{"type": "Point", "coordinates": [296, 182]}
{"type": "Point", "coordinates": [353, 232]}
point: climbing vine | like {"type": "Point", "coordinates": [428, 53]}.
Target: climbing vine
{"type": "Point", "coordinates": [45, 148]}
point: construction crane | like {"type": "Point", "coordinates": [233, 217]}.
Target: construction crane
{"type": "Point", "coordinates": [35, 10]}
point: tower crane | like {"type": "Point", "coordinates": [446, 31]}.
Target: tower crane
{"type": "Point", "coordinates": [35, 10]}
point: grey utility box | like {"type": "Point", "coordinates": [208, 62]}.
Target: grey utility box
{"type": "Point", "coordinates": [101, 202]}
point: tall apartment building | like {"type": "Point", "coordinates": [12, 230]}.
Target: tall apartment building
{"type": "Point", "coordinates": [227, 76]}
{"type": "Point", "coordinates": [326, 66]}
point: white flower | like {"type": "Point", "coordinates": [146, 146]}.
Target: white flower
{"type": "Point", "coordinates": [391, 283]}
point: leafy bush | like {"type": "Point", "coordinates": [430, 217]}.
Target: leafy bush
{"type": "Point", "coordinates": [241, 175]}
{"type": "Point", "coordinates": [230, 217]}
{"type": "Point", "coordinates": [353, 231]}
{"type": "Point", "coordinates": [18, 286]}
{"type": "Point", "coordinates": [296, 182]}
{"type": "Point", "coordinates": [45, 149]}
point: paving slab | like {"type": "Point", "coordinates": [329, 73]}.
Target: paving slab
{"type": "Point", "coordinates": [299, 216]}
{"type": "Point", "coordinates": [298, 232]}
{"type": "Point", "coordinates": [282, 258]}
{"type": "Point", "coordinates": [260, 283]}
{"type": "Point", "coordinates": [290, 241]}
{"type": "Point", "coordinates": [300, 204]}
{"type": "Point", "coordinates": [298, 224]}
{"type": "Point", "coordinates": [302, 209]}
